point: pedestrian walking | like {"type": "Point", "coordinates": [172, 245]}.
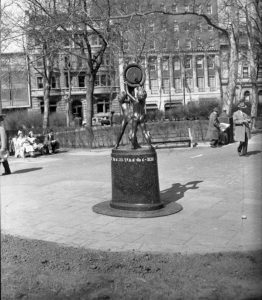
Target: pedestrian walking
{"type": "Point", "coordinates": [242, 128]}
{"type": "Point", "coordinates": [213, 131]}
{"type": "Point", "coordinates": [3, 147]}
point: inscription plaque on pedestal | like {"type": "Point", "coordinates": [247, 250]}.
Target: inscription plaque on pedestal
{"type": "Point", "coordinates": [135, 183]}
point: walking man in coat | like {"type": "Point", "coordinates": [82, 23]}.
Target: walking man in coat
{"type": "Point", "coordinates": [213, 131]}
{"type": "Point", "coordinates": [3, 147]}
{"type": "Point", "coordinates": [242, 129]}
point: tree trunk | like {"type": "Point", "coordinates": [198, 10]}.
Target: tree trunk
{"type": "Point", "coordinates": [253, 77]}
{"type": "Point", "coordinates": [68, 100]}
{"type": "Point", "coordinates": [47, 89]}
{"type": "Point", "coordinates": [88, 104]}
{"type": "Point", "coordinates": [232, 74]}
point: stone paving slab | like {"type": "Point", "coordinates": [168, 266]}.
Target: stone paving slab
{"type": "Point", "coordinates": [51, 198]}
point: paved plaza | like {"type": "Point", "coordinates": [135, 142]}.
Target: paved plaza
{"type": "Point", "coordinates": [51, 198]}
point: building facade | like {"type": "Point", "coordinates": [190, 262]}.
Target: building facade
{"type": "Point", "coordinates": [184, 59]}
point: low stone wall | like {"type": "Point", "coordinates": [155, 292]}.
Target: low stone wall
{"type": "Point", "coordinates": [99, 137]}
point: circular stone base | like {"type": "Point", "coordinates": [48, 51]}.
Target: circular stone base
{"type": "Point", "coordinates": [104, 208]}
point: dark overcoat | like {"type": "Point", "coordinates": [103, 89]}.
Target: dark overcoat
{"type": "Point", "coordinates": [213, 127]}
{"type": "Point", "coordinates": [241, 126]}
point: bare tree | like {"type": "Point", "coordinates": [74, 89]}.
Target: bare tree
{"type": "Point", "coordinates": [227, 24]}
{"type": "Point", "coordinates": [42, 42]}
{"type": "Point", "coordinates": [81, 21]}
{"type": "Point", "coordinates": [5, 30]}
{"type": "Point", "coordinates": [251, 24]}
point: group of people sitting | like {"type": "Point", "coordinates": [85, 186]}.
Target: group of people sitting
{"type": "Point", "coordinates": [24, 145]}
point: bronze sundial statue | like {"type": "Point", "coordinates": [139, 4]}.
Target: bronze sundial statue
{"type": "Point", "coordinates": [135, 184]}
{"type": "Point", "coordinates": [132, 102]}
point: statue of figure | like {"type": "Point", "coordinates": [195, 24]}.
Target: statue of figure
{"type": "Point", "coordinates": [132, 102]}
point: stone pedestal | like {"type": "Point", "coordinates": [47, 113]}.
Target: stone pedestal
{"type": "Point", "coordinates": [135, 183]}
{"type": "Point", "coordinates": [135, 186]}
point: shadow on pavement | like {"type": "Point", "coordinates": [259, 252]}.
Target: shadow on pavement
{"type": "Point", "coordinates": [253, 152]}
{"type": "Point", "coordinates": [26, 170]}
{"type": "Point", "coordinates": [177, 191]}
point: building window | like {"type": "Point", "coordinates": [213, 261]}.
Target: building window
{"type": "Point", "coordinates": [212, 82]}
{"type": "Point", "coordinates": [164, 43]}
{"type": "Point", "coordinates": [176, 44]}
{"type": "Point", "coordinates": [97, 80]}
{"type": "Point", "coordinates": [95, 40]}
{"type": "Point", "coordinates": [164, 27]}
{"type": "Point", "coordinates": [259, 71]}
{"type": "Point", "coordinates": [247, 96]}
{"type": "Point", "coordinates": [188, 44]}
{"type": "Point", "coordinates": [187, 26]}
{"type": "Point", "coordinates": [198, 9]}
{"type": "Point", "coordinates": [39, 61]}
{"type": "Point", "coordinates": [186, 8]}
{"type": "Point", "coordinates": [199, 62]}
{"type": "Point", "coordinates": [53, 82]}
{"type": "Point", "coordinates": [152, 67]}
{"type": "Point", "coordinates": [152, 64]}
{"type": "Point", "coordinates": [188, 62]}
{"type": "Point", "coordinates": [52, 107]}
{"type": "Point", "coordinates": [67, 61]}
{"type": "Point", "coordinates": [154, 86]}
{"type": "Point", "coordinates": [66, 42]}
{"type": "Point", "coordinates": [165, 85]}
{"type": "Point", "coordinates": [177, 84]}
{"type": "Point", "coordinates": [209, 28]}
{"type": "Point", "coordinates": [199, 27]}
{"type": "Point", "coordinates": [165, 64]}
{"type": "Point", "coordinates": [200, 84]}
{"type": "Point", "coordinates": [80, 62]}
{"type": "Point", "coordinates": [162, 7]}
{"type": "Point", "coordinates": [176, 64]}
{"type": "Point", "coordinates": [81, 81]}
{"type": "Point", "coordinates": [103, 80]}
{"type": "Point", "coordinates": [151, 28]}
{"type": "Point", "coordinates": [210, 62]}
{"type": "Point", "coordinates": [39, 82]}
{"type": "Point", "coordinates": [245, 72]}
{"type": "Point", "coordinates": [152, 45]}
{"type": "Point", "coordinates": [102, 105]}
{"type": "Point", "coordinates": [67, 80]}
{"type": "Point", "coordinates": [209, 9]}
{"type": "Point", "coordinates": [188, 83]}
{"type": "Point", "coordinates": [174, 8]}
{"type": "Point", "coordinates": [176, 27]}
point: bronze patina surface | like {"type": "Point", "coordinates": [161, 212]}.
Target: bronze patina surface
{"type": "Point", "coordinates": [135, 186]}
{"type": "Point", "coordinates": [135, 183]}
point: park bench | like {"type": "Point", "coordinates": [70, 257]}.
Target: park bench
{"type": "Point", "coordinates": [172, 140]}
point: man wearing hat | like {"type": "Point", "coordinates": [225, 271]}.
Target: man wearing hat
{"type": "Point", "coordinates": [213, 131]}
{"type": "Point", "coordinates": [242, 129]}
{"type": "Point", "coordinates": [3, 147]}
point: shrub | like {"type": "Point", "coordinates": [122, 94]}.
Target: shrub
{"type": "Point", "coordinates": [22, 119]}
{"type": "Point", "coordinates": [192, 110]}
{"type": "Point", "coordinates": [57, 119]}
{"type": "Point", "coordinates": [206, 107]}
